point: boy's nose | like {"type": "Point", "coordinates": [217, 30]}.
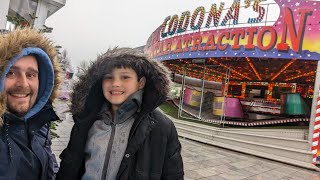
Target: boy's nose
{"type": "Point", "coordinates": [116, 83]}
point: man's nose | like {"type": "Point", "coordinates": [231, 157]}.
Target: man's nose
{"type": "Point", "coordinates": [22, 81]}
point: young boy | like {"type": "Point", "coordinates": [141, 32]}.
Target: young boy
{"type": "Point", "coordinates": [118, 133]}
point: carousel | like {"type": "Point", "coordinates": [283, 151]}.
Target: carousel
{"type": "Point", "coordinates": [251, 92]}
{"type": "Point", "coordinates": [244, 63]}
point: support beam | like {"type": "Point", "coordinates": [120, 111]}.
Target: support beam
{"type": "Point", "coordinates": [300, 75]}
{"type": "Point", "coordinates": [314, 126]}
{"type": "Point", "coordinates": [283, 69]}
{"type": "Point", "coordinates": [234, 71]}
{"type": "Point", "coordinates": [253, 68]}
{"type": "Point", "coordinates": [42, 14]}
{"type": "Point", "coordinates": [4, 9]}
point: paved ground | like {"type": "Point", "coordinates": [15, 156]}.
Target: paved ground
{"type": "Point", "coordinates": [207, 162]}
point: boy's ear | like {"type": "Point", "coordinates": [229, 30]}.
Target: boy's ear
{"type": "Point", "coordinates": [142, 82]}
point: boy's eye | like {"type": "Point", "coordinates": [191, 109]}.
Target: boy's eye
{"type": "Point", "coordinates": [126, 77]}
{"type": "Point", "coordinates": [107, 77]}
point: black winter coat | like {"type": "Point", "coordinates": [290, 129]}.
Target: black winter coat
{"type": "Point", "coordinates": [153, 151]}
{"type": "Point", "coordinates": [25, 151]}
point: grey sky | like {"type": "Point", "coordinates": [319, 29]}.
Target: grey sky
{"type": "Point", "coordinates": [86, 28]}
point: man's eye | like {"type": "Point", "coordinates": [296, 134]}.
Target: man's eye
{"type": "Point", "coordinates": [10, 74]}
{"type": "Point", "coordinates": [32, 75]}
{"type": "Point", "coordinates": [126, 77]}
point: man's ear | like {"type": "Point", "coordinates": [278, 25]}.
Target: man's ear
{"type": "Point", "coordinates": [142, 82]}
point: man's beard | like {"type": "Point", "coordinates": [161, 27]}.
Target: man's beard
{"type": "Point", "coordinates": [19, 109]}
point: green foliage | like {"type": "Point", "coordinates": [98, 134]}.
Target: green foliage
{"type": "Point", "coordinates": [20, 22]}
{"type": "Point", "coordinates": [52, 130]}
{"type": "Point", "coordinates": [171, 110]}
{"type": "Point", "coordinates": [46, 29]}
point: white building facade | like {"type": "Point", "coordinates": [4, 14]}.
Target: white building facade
{"type": "Point", "coordinates": [24, 10]}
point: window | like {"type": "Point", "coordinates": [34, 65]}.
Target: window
{"type": "Point", "coordinates": [278, 90]}
{"type": "Point", "coordinates": [21, 12]}
{"type": "Point", "coordinates": [234, 90]}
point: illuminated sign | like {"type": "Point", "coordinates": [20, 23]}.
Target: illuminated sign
{"type": "Point", "coordinates": [247, 28]}
{"type": "Point", "coordinates": [220, 16]}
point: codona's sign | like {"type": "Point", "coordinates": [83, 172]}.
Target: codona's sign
{"type": "Point", "coordinates": [248, 28]}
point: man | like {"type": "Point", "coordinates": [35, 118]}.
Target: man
{"type": "Point", "coordinates": [28, 84]}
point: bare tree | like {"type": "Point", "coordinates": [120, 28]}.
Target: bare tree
{"type": "Point", "coordinates": [64, 60]}
{"type": "Point", "coordinates": [83, 66]}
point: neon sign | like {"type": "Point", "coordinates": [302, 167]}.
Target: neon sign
{"type": "Point", "coordinates": [172, 24]}
{"type": "Point", "coordinates": [232, 38]}
{"type": "Point", "coordinates": [247, 28]}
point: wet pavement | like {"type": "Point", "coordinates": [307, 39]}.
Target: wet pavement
{"type": "Point", "coordinates": [206, 162]}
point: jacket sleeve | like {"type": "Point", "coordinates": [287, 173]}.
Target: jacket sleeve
{"type": "Point", "coordinates": [69, 167]}
{"type": "Point", "coordinates": [72, 164]}
{"type": "Point", "coordinates": [173, 165]}
{"type": "Point", "coordinates": [52, 161]}
{"type": "Point", "coordinates": [53, 166]}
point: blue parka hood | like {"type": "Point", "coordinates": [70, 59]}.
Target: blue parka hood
{"type": "Point", "coordinates": [46, 77]}
{"type": "Point", "coordinates": [23, 42]}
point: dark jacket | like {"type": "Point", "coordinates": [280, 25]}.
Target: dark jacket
{"type": "Point", "coordinates": [153, 150]}
{"type": "Point", "coordinates": [17, 159]}
{"type": "Point", "coordinates": [25, 151]}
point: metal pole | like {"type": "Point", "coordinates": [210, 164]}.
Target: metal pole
{"type": "Point", "coordinates": [314, 105]}
{"type": "Point", "coordinates": [4, 10]}
{"type": "Point", "coordinates": [267, 15]}
{"type": "Point", "coordinates": [182, 91]}
{"type": "Point", "coordinates": [225, 91]}
{"type": "Point", "coordinates": [204, 75]}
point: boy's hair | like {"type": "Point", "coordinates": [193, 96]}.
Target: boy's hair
{"type": "Point", "coordinates": [157, 78]}
{"type": "Point", "coordinates": [125, 58]}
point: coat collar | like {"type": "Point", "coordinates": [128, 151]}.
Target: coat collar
{"type": "Point", "coordinates": [130, 107]}
{"type": "Point", "coordinates": [46, 114]}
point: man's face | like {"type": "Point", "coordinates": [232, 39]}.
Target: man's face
{"type": "Point", "coordinates": [21, 85]}
{"type": "Point", "coordinates": [121, 84]}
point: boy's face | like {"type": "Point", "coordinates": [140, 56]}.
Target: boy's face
{"type": "Point", "coordinates": [120, 84]}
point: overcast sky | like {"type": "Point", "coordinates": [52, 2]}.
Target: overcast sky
{"type": "Point", "coordinates": [89, 27]}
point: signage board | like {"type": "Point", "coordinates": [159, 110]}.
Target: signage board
{"type": "Point", "coordinates": [244, 28]}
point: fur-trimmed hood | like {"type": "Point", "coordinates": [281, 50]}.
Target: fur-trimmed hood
{"type": "Point", "coordinates": [155, 91]}
{"type": "Point", "coordinates": [22, 42]}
